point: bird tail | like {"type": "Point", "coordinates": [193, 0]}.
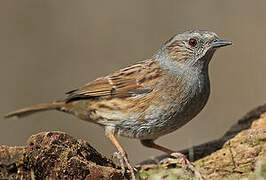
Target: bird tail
{"type": "Point", "coordinates": [36, 108]}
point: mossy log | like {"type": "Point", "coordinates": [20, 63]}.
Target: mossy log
{"type": "Point", "coordinates": [240, 153]}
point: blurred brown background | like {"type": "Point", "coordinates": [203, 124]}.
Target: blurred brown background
{"type": "Point", "coordinates": [49, 47]}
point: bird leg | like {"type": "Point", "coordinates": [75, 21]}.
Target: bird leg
{"type": "Point", "coordinates": [177, 155]}
{"type": "Point", "coordinates": [122, 155]}
{"type": "Point", "coordinates": [150, 144]}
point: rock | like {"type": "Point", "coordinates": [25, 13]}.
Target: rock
{"type": "Point", "coordinates": [232, 156]}
{"type": "Point", "coordinates": [240, 153]}
{"type": "Point", "coordinates": [55, 155]}
{"type": "Point", "coordinates": [238, 156]}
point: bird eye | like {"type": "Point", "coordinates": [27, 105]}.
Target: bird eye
{"type": "Point", "coordinates": [192, 42]}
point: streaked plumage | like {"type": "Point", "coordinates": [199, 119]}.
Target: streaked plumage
{"type": "Point", "coordinates": [151, 98]}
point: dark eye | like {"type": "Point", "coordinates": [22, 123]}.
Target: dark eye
{"type": "Point", "coordinates": [192, 42]}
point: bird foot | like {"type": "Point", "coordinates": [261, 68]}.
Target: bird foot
{"type": "Point", "coordinates": [176, 158]}
{"type": "Point", "coordinates": [182, 158]}
{"type": "Point", "coordinates": [179, 158]}
{"type": "Point", "coordinates": [125, 163]}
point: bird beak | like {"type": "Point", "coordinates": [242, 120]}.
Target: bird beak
{"type": "Point", "coordinates": [220, 43]}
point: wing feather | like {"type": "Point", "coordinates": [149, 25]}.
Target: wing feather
{"type": "Point", "coordinates": [124, 83]}
{"type": "Point", "coordinates": [102, 87]}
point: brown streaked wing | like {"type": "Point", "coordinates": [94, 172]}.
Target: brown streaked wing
{"type": "Point", "coordinates": [113, 86]}
{"type": "Point", "coordinates": [133, 80]}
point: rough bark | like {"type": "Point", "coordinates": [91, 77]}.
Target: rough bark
{"type": "Point", "coordinates": [55, 155]}
{"type": "Point", "coordinates": [240, 153]}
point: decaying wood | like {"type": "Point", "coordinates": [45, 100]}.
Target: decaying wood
{"type": "Point", "coordinates": [241, 152]}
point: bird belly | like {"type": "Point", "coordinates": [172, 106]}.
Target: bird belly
{"type": "Point", "coordinates": [168, 113]}
{"type": "Point", "coordinates": [152, 115]}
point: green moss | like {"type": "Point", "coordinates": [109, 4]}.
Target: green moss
{"type": "Point", "coordinates": [200, 163]}
{"type": "Point", "coordinates": [261, 169]}
{"type": "Point", "coordinates": [258, 174]}
{"type": "Point", "coordinates": [257, 142]}
{"type": "Point", "coordinates": [165, 173]}
{"type": "Point", "coordinates": [32, 175]}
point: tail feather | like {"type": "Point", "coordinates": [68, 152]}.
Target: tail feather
{"type": "Point", "coordinates": [36, 108]}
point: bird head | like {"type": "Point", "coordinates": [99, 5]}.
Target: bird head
{"type": "Point", "coordinates": [192, 48]}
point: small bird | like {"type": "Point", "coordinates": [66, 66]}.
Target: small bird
{"type": "Point", "coordinates": [149, 99]}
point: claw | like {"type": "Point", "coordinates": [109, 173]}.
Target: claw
{"type": "Point", "coordinates": [179, 158]}
{"type": "Point", "coordinates": [118, 156]}
{"type": "Point", "coordinates": [121, 155]}
{"type": "Point", "coordinates": [124, 162]}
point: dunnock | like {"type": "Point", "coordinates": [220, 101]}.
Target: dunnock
{"type": "Point", "coordinates": [150, 98]}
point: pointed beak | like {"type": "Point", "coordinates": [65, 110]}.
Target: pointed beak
{"type": "Point", "coordinates": [220, 43]}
